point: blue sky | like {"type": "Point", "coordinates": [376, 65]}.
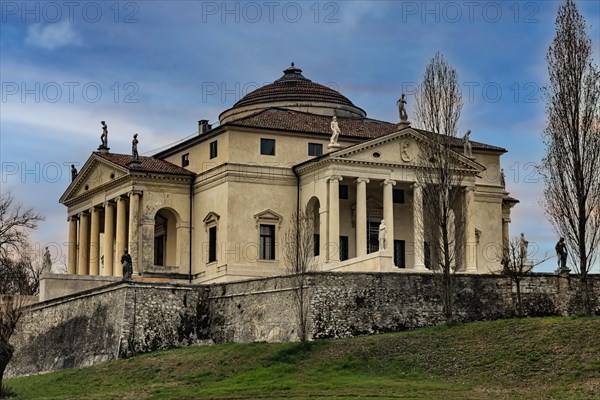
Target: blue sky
{"type": "Point", "coordinates": [157, 67]}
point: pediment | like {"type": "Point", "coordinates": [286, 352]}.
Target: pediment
{"type": "Point", "coordinates": [401, 148]}
{"type": "Point", "coordinates": [94, 174]}
{"type": "Point", "coordinates": [268, 216]}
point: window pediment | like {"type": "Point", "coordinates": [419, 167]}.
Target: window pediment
{"type": "Point", "coordinates": [268, 217]}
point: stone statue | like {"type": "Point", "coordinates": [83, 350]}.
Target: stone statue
{"type": "Point", "coordinates": [561, 252]}
{"type": "Point", "coordinates": [335, 132]}
{"type": "Point", "coordinates": [382, 236]}
{"type": "Point", "coordinates": [468, 148]}
{"type": "Point", "coordinates": [104, 136]}
{"type": "Point", "coordinates": [47, 260]}
{"type": "Point", "coordinates": [502, 178]}
{"type": "Point", "coordinates": [73, 172]}
{"type": "Point", "coordinates": [127, 265]}
{"type": "Point", "coordinates": [401, 103]}
{"type": "Point", "coordinates": [134, 149]}
{"type": "Point", "coordinates": [523, 244]}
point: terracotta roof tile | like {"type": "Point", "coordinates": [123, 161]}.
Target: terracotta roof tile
{"type": "Point", "coordinates": [147, 164]}
{"type": "Point", "coordinates": [361, 128]}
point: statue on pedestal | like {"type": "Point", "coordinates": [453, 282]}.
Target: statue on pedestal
{"type": "Point", "coordinates": [104, 137]}
{"type": "Point", "coordinates": [523, 244]}
{"type": "Point", "coordinates": [134, 149]}
{"type": "Point", "coordinates": [401, 103]}
{"type": "Point", "coordinates": [382, 236]}
{"type": "Point", "coordinates": [468, 148]}
{"type": "Point", "coordinates": [335, 133]}
{"type": "Point", "coordinates": [561, 252]}
{"type": "Point", "coordinates": [127, 265]}
{"type": "Point", "coordinates": [73, 172]}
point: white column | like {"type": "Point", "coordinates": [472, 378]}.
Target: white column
{"type": "Point", "coordinates": [134, 239]}
{"type": "Point", "coordinates": [361, 216]}
{"type": "Point", "coordinates": [72, 266]}
{"type": "Point", "coordinates": [121, 237]}
{"type": "Point", "coordinates": [388, 211]}
{"type": "Point", "coordinates": [84, 244]}
{"type": "Point", "coordinates": [333, 242]}
{"type": "Point", "coordinates": [109, 238]}
{"type": "Point", "coordinates": [470, 239]}
{"type": "Point", "coordinates": [418, 225]}
{"type": "Point", "coordinates": [95, 242]}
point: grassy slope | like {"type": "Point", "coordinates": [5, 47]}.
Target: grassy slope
{"type": "Point", "coordinates": [549, 358]}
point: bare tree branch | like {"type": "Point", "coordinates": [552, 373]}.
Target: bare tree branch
{"type": "Point", "coordinates": [15, 224]}
{"type": "Point", "coordinates": [438, 109]}
{"type": "Point", "coordinates": [298, 254]}
{"type": "Point", "coordinates": [571, 165]}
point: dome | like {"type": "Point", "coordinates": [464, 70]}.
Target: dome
{"type": "Point", "coordinates": [294, 91]}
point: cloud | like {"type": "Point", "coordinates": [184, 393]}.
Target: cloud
{"type": "Point", "coordinates": [52, 36]}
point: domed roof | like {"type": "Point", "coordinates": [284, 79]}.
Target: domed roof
{"type": "Point", "coordinates": [294, 91]}
{"type": "Point", "coordinates": [293, 86]}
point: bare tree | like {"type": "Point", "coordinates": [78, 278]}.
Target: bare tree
{"type": "Point", "coordinates": [298, 254]}
{"type": "Point", "coordinates": [517, 264]}
{"type": "Point", "coordinates": [438, 105]}
{"type": "Point", "coordinates": [18, 273]}
{"type": "Point", "coordinates": [15, 224]}
{"type": "Point", "coordinates": [571, 165]}
{"type": "Point", "coordinates": [10, 313]}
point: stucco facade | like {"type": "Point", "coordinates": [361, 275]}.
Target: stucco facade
{"type": "Point", "coordinates": [215, 207]}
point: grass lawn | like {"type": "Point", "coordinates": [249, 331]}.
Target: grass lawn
{"type": "Point", "coordinates": [537, 358]}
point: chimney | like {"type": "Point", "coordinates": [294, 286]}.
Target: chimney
{"type": "Point", "coordinates": [203, 126]}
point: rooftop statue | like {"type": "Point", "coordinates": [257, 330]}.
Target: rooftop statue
{"type": "Point", "coordinates": [104, 136]}
{"type": "Point", "coordinates": [401, 103]}
{"type": "Point", "coordinates": [134, 149]}
{"type": "Point", "coordinates": [335, 133]}
{"type": "Point", "coordinates": [468, 148]}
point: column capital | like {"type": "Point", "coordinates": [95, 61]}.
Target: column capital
{"type": "Point", "coordinates": [417, 185]}
{"type": "Point", "coordinates": [469, 188]}
{"type": "Point", "coordinates": [389, 182]}
{"type": "Point", "coordinates": [135, 192]}
{"type": "Point", "coordinates": [335, 178]}
{"type": "Point", "coordinates": [83, 214]}
{"type": "Point", "coordinates": [361, 180]}
{"type": "Point", "coordinates": [94, 208]}
{"type": "Point", "coordinates": [108, 203]}
{"type": "Point", "coordinates": [73, 218]}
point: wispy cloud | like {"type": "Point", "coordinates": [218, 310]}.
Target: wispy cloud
{"type": "Point", "coordinates": [52, 36]}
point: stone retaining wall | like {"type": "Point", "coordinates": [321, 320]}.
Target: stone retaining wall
{"type": "Point", "coordinates": [126, 318]}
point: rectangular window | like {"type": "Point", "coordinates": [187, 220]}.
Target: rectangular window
{"type": "Point", "coordinates": [213, 149]}
{"type": "Point", "coordinates": [315, 149]}
{"type": "Point", "coordinates": [399, 253]}
{"type": "Point", "coordinates": [398, 196]}
{"type": "Point", "coordinates": [267, 242]}
{"type": "Point", "coordinates": [316, 244]}
{"type": "Point", "coordinates": [185, 160]}
{"type": "Point", "coordinates": [212, 244]}
{"type": "Point", "coordinates": [343, 248]}
{"type": "Point", "coordinates": [343, 192]}
{"type": "Point", "coordinates": [372, 236]}
{"type": "Point", "coordinates": [267, 147]}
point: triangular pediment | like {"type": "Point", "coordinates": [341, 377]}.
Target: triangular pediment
{"type": "Point", "coordinates": [268, 217]}
{"type": "Point", "coordinates": [402, 148]}
{"type": "Point", "coordinates": [94, 174]}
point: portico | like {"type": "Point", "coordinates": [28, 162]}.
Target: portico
{"type": "Point", "coordinates": [113, 206]}
{"type": "Point", "coordinates": [353, 190]}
